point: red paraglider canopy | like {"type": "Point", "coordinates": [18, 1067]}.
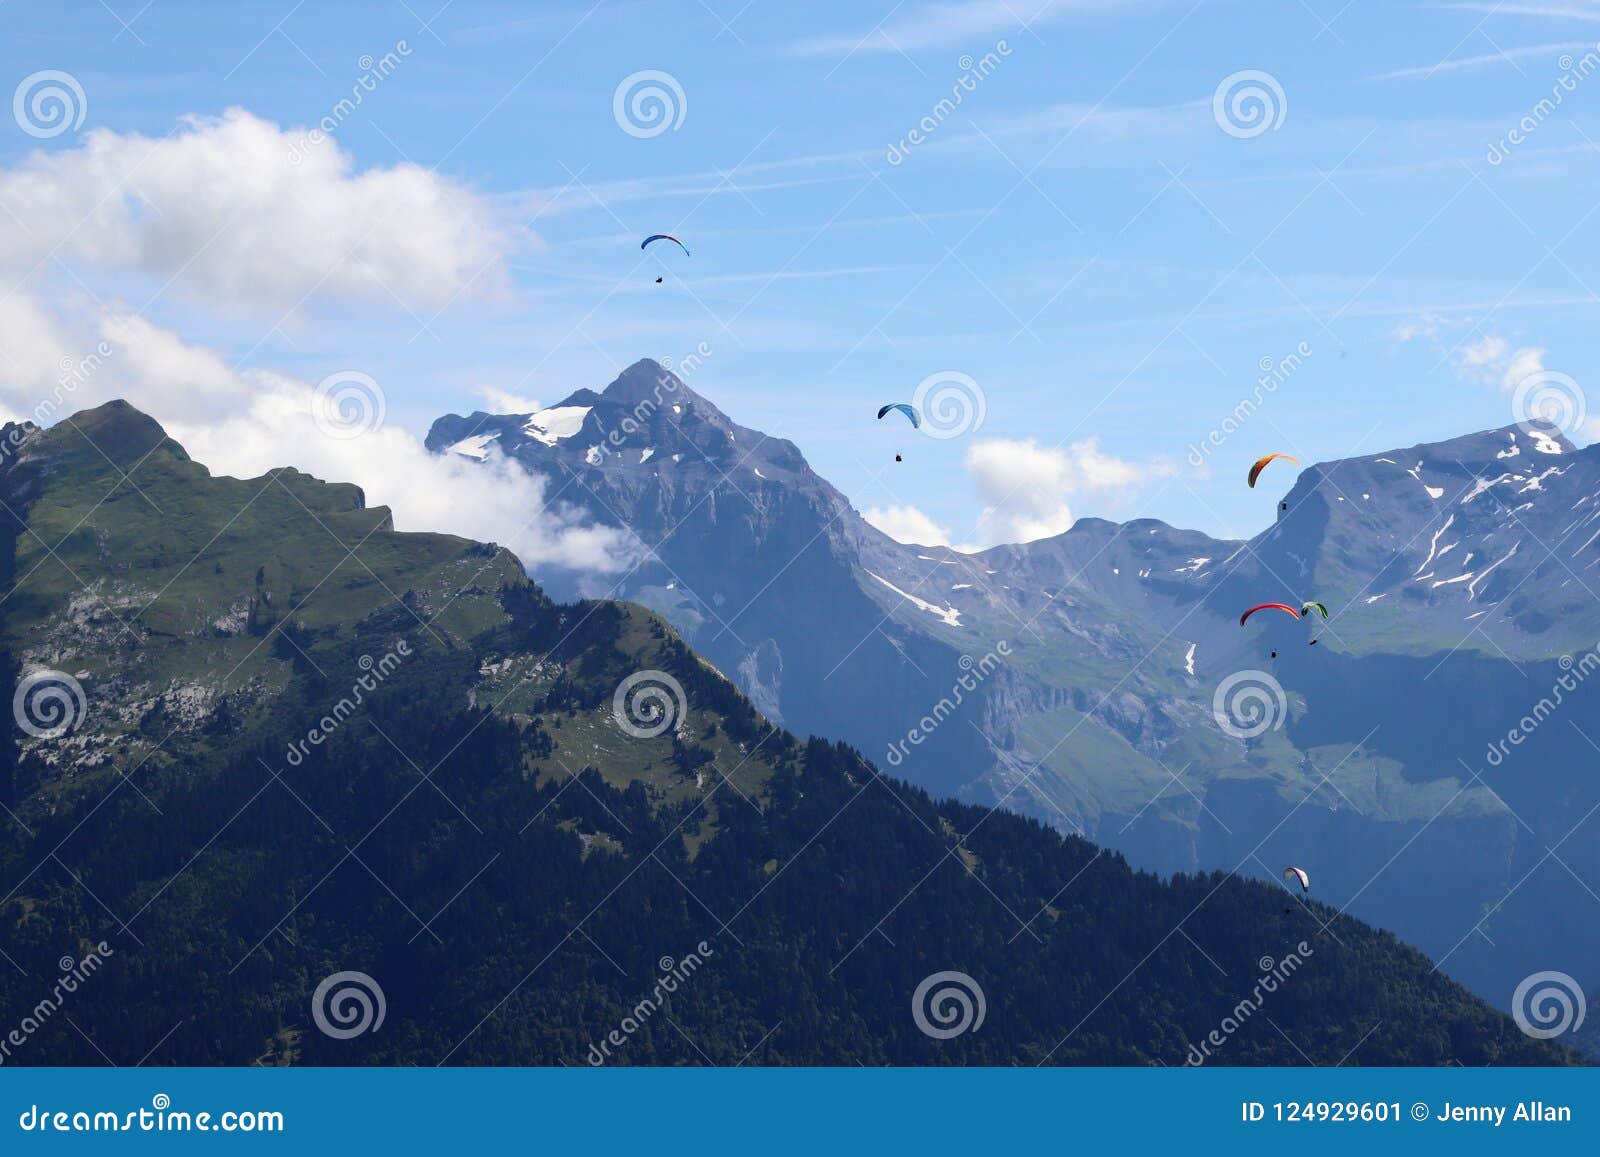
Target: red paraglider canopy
{"type": "Point", "coordinates": [1285, 607]}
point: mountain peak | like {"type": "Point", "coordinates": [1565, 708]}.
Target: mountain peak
{"type": "Point", "coordinates": [647, 380]}
{"type": "Point", "coordinates": [1531, 437]}
{"type": "Point", "coordinates": [116, 433]}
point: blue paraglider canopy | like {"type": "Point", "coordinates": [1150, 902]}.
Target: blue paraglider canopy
{"type": "Point", "coordinates": [664, 237]}
{"type": "Point", "coordinates": [905, 409]}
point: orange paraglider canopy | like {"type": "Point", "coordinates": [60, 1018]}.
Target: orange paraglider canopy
{"type": "Point", "coordinates": [1261, 464]}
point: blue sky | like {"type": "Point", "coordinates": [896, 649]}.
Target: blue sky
{"type": "Point", "coordinates": [1080, 237]}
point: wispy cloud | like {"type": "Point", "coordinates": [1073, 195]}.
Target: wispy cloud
{"type": "Point", "coordinates": [1554, 11]}
{"type": "Point", "coordinates": [956, 25]}
{"type": "Point", "coordinates": [1488, 59]}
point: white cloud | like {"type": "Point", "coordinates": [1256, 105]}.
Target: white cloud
{"type": "Point", "coordinates": [1026, 488]}
{"type": "Point", "coordinates": [245, 423]}
{"type": "Point", "coordinates": [31, 345]}
{"type": "Point", "coordinates": [503, 402]}
{"type": "Point", "coordinates": [1426, 324]}
{"type": "Point", "coordinates": [493, 501]}
{"type": "Point", "coordinates": [223, 209]}
{"type": "Point", "coordinates": [1492, 360]}
{"type": "Point", "coordinates": [907, 524]}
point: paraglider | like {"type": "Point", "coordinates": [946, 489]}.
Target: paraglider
{"type": "Point", "coordinates": [664, 237]}
{"type": "Point", "coordinates": [1261, 464]}
{"type": "Point", "coordinates": [658, 281]}
{"type": "Point", "coordinates": [1307, 607]}
{"type": "Point", "coordinates": [904, 408]}
{"type": "Point", "coordinates": [1284, 607]}
{"type": "Point", "coordinates": [1297, 876]}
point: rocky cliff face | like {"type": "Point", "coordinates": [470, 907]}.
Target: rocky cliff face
{"type": "Point", "coordinates": [1100, 680]}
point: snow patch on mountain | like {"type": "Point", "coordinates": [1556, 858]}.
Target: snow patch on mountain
{"type": "Point", "coordinates": [1543, 443]}
{"type": "Point", "coordinates": [1434, 492]}
{"type": "Point", "coordinates": [1433, 546]}
{"type": "Point", "coordinates": [1472, 587]}
{"type": "Point", "coordinates": [950, 615]}
{"type": "Point", "coordinates": [550, 426]}
{"type": "Point", "coordinates": [1536, 482]}
{"type": "Point", "coordinates": [476, 446]}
